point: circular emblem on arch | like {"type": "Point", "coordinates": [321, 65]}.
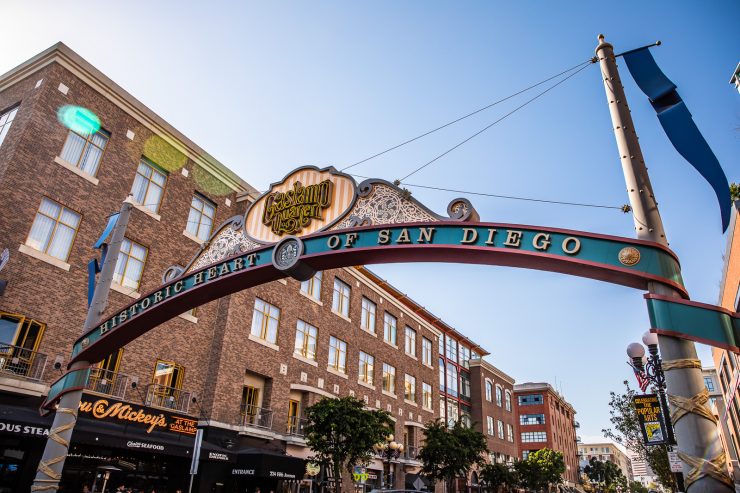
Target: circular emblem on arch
{"type": "Point", "coordinates": [629, 256]}
{"type": "Point", "coordinates": [85, 342]}
{"type": "Point", "coordinates": [286, 257]}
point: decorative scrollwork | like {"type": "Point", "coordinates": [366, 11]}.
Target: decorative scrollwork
{"type": "Point", "coordinates": [172, 273]}
{"type": "Point", "coordinates": [461, 209]}
{"type": "Point", "coordinates": [382, 203]}
{"type": "Point", "coordinates": [227, 242]}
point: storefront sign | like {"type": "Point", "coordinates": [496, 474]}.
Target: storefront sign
{"type": "Point", "coordinates": [218, 456]}
{"type": "Point", "coordinates": [243, 472]}
{"type": "Point", "coordinates": [123, 413]}
{"type": "Point", "coordinates": [23, 429]}
{"type": "Point", "coordinates": [650, 417]}
{"type": "Point", "coordinates": [145, 446]}
{"type": "Point", "coordinates": [360, 474]}
{"type": "Point", "coordinates": [287, 213]}
{"type": "Point", "coordinates": [674, 461]}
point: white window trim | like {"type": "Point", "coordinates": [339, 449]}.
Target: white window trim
{"type": "Point", "coordinates": [318, 302]}
{"type": "Point", "coordinates": [189, 317]}
{"type": "Point", "coordinates": [32, 252]}
{"type": "Point", "coordinates": [389, 394]}
{"type": "Point", "coordinates": [74, 169]}
{"type": "Point", "coordinates": [341, 315]}
{"type": "Point", "coordinates": [410, 403]}
{"type": "Point", "coordinates": [309, 361]}
{"type": "Point", "coordinates": [146, 211]}
{"type": "Point", "coordinates": [124, 290]}
{"type": "Point", "coordinates": [336, 372]}
{"type": "Point", "coordinates": [191, 236]}
{"type": "Point", "coordinates": [367, 385]}
{"type": "Point", "coordinates": [265, 343]}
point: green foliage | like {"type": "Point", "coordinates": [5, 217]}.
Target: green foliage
{"type": "Point", "coordinates": [637, 487]}
{"type": "Point", "coordinates": [498, 475]}
{"type": "Point", "coordinates": [449, 453]}
{"type": "Point", "coordinates": [627, 432]}
{"type": "Point", "coordinates": [342, 433]}
{"type": "Point", "coordinates": [542, 468]}
{"type": "Point", "coordinates": [606, 473]}
{"type": "Point", "coordinates": [734, 191]}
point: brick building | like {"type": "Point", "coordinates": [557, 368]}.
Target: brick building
{"type": "Point", "coordinates": [243, 367]}
{"type": "Point", "coordinates": [547, 420]}
{"type": "Point", "coordinates": [606, 451]}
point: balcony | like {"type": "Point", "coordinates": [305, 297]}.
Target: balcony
{"type": "Point", "coordinates": [168, 398]}
{"type": "Point", "coordinates": [107, 382]}
{"type": "Point", "coordinates": [576, 424]}
{"type": "Point", "coordinates": [296, 426]}
{"type": "Point", "coordinates": [257, 417]}
{"type": "Point", "coordinates": [22, 363]}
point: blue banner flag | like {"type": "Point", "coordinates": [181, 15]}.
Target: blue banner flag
{"type": "Point", "coordinates": [678, 125]}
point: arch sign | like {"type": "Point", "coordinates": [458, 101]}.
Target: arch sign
{"type": "Point", "coordinates": [317, 219]}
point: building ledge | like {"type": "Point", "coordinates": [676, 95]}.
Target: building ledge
{"type": "Point", "coordinates": [74, 169]}
{"type": "Point", "coordinates": [258, 340]}
{"type": "Point", "coordinates": [21, 386]}
{"type": "Point", "coordinates": [187, 234]}
{"type": "Point", "coordinates": [318, 302]}
{"type": "Point", "coordinates": [308, 361]}
{"type": "Point", "coordinates": [146, 211]}
{"type": "Point", "coordinates": [32, 252]}
{"type": "Point", "coordinates": [336, 372]}
{"type": "Point", "coordinates": [130, 292]}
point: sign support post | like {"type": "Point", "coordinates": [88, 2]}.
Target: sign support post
{"type": "Point", "coordinates": [698, 442]}
{"type": "Point", "coordinates": [49, 471]}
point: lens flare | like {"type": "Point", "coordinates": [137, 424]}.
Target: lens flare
{"type": "Point", "coordinates": [78, 119]}
{"type": "Point", "coordinates": [164, 154]}
{"type": "Point", "coordinates": [210, 183]}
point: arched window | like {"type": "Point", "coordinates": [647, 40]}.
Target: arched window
{"type": "Point", "coordinates": [499, 395]}
{"type": "Point", "coordinates": [508, 400]}
{"type": "Point", "coordinates": [489, 390]}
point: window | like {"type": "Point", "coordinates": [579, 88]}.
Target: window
{"type": "Point", "coordinates": [104, 373]}
{"type": "Point", "coordinates": [249, 404]}
{"type": "Point", "coordinates": [53, 230]}
{"type": "Point", "coordinates": [489, 426]}
{"type": "Point", "coordinates": [409, 388]}
{"type": "Point", "coordinates": [426, 395]}
{"type": "Point", "coordinates": [508, 400]}
{"type": "Point", "coordinates": [410, 341]}
{"type": "Point", "coordinates": [19, 338]}
{"type": "Point", "coordinates": [441, 345]}
{"type": "Point", "coordinates": [530, 400]}
{"type": "Point", "coordinates": [6, 119]}
{"type": "Point", "coordinates": [337, 354]}
{"type": "Point", "coordinates": [452, 380]}
{"type": "Point", "coordinates": [130, 264]}
{"type": "Point", "coordinates": [200, 220]}
{"type": "Point", "coordinates": [442, 375]}
{"type": "Point", "coordinates": [531, 419]}
{"type": "Point", "coordinates": [305, 340]}
{"type": "Point", "coordinates": [451, 349]}
{"type": "Point", "coordinates": [426, 351]}
{"type": "Point", "coordinates": [389, 378]}
{"type": "Point", "coordinates": [294, 413]}
{"type": "Point", "coordinates": [265, 321]}
{"type": "Point", "coordinates": [148, 185]}
{"type": "Point", "coordinates": [168, 374]}
{"type": "Point", "coordinates": [464, 356]}
{"type": "Point", "coordinates": [340, 302]}
{"type": "Point", "coordinates": [84, 151]}
{"type": "Point", "coordinates": [509, 432]}
{"type": "Point", "coordinates": [525, 454]}
{"type": "Point", "coordinates": [389, 328]}
{"type": "Point", "coordinates": [110, 364]}
{"type": "Point", "coordinates": [368, 315]}
{"type": "Point", "coordinates": [499, 396]}
{"type": "Point", "coordinates": [465, 385]}
{"type": "Point", "coordinates": [489, 391]}
{"type": "Point", "coordinates": [500, 426]}
{"type": "Point", "coordinates": [453, 413]}
{"type": "Point", "coordinates": [312, 287]}
{"type": "Point", "coordinates": [709, 383]}
{"type": "Point", "coordinates": [534, 436]}
{"type": "Point", "coordinates": [367, 366]}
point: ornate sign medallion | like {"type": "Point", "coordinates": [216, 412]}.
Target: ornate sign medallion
{"type": "Point", "coordinates": [629, 256]}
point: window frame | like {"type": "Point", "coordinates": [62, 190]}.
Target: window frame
{"type": "Point", "coordinates": [427, 351]}
{"type": "Point", "coordinates": [391, 380]}
{"type": "Point", "coordinates": [366, 313]}
{"type": "Point", "coordinates": [22, 319]}
{"type": "Point", "coordinates": [366, 368]}
{"type": "Point", "coordinates": [54, 230]}
{"type": "Point", "coordinates": [179, 377]}
{"type": "Point", "coordinates": [409, 382]}
{"type": "Point", "coordinates": [386, 317]}
{"type": "Point", "coordinates": [310, 286]}
{"type": "Point", "coordinates": [409, 339]}
{"type": "Point", "coordinates": [338, 351]}
{"type": "Point", "coordinates": [201, 213]}
{"type": "Point", "coordinates": [15, 107]}
{"type": "Point", "coordinates": [337, 303]}
{"type": "Point", "coordinates": [155, 169]}
{"type": "Point", "coordinates": [128, 257]}
{"type": "Point", "coordinates": [264, 329]}
{"type": "Point", "coordinates": [88, 142]}
{"type": "Point", "coordinates": [303, 351]}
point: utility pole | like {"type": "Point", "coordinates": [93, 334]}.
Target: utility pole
{"type": "Point", "coordinates": [49, 471]}
{"type": "Point", "coordinates": [697, 436]}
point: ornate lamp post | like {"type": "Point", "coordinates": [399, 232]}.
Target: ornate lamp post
{"type": "Point", "coordinates": [389, 452]}
{"type": "Point", "coordinates": [651, 367]}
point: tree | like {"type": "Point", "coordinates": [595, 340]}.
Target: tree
{"type": "Point", "coordinates": [498, 475]}
{"type": "Point", "coordinates": [627, 433]}
{"type": "Point", "coordinates": [449, 453]}
{"type": "Point", "coordinates": [637, 487]}
{"type": "Point", "coordinates": [606, 473]}
{"type": "Point", "coordinates": [342, 433]}
{"type": "Point", "coordinates": [734, 191]}
{"type": "Point", "coordinates": [542, 468]}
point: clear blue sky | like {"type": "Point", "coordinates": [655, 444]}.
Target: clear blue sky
{"type": "Point", "coordinates": [268, 86]}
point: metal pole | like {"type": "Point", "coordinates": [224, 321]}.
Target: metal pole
{"type": "Point", "coordinates": [696, 436]}
{"type": "Point", "coordinates": [49, 471]}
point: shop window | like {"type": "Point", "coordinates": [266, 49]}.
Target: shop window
{"type": "Point", "coordinates": [312, 287]}
{"type": "Point", "coordinates": [265, 321]}
{"type": "Point", "coordinates": [54, 229]}
{"type": "Point", "coordinates": [200, 219]}
{"type": "Point", "coordinates": [85, 150]}
{"type": "Point", "coordinates": [340, 300]}
{"type": "Point", "coordinates": [130, 264]}
{"type": "Point", "coordinates": [148, 186]}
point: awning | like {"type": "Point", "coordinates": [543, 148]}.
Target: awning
{"type": "Point", "coordinates": [268, 464]}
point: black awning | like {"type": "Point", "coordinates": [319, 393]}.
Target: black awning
{"type": "Point", "coordinates": [212, 452]}
{"type": "Point", "coordinates": [268, 464]}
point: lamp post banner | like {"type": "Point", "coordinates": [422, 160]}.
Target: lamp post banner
{"type": "Point", "coordinates": [699, 322]}
{"type": "Point", "coordinates": [650, 418]}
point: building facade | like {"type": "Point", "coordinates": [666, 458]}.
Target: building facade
{"type": "Point", "coordinates": [547, 420]}
{"type": "Point", "coordinates": [606, 451]}
{"type": "Point", "coordinates": [243, 367]}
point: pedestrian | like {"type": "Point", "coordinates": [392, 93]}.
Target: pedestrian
{"type": "Point", "coordinates": [85, 489]}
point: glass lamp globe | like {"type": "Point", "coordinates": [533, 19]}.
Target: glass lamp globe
{"type": "Point", "coordinates": [650, 338]}
{"type": "Point", "coordinates": [635, 350]}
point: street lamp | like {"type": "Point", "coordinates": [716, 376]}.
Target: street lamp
{"type": "Point", "coordinates": [651, 368]}
{"type": "Point", "coordinates": [389, 451]}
